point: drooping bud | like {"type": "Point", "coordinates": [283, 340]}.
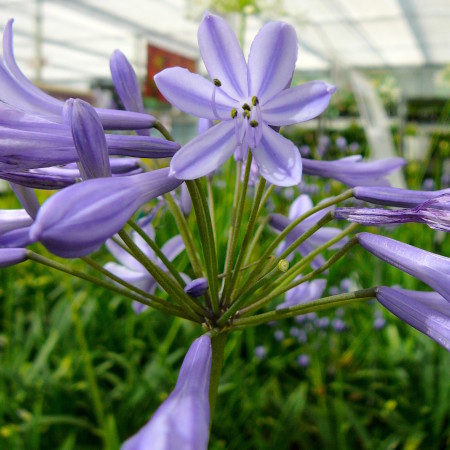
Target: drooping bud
{"type": "Point", "coordinates": [197, 287]}
{"type": "Point", "coordinates": [11, 256]}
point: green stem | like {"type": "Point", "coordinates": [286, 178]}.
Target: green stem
{"type": "Point", "coordinates": [186, 235]}
{"type": "Point", "coordinates": [317, 305]}
{"type": "Point", "coordinates": [152, 244]}
{"type": "Point", "coordinates": [149, 300]}
{"type": "Point", "coordinates": [218, 342]}
{"type": "Point", "coordinates": [183, 300]}
{"type": "Point", "coordinates": [242, 193]}
{"type": "Point", "coordinates": [257, 270]}
{"type": "Point", "coordinates": [203, 216]}
{"type": "Point", "coordinates": [265, 297]}
{"type": "Point", "coordinates": [247, 236]}
{"type": "Point", "coordinates": [209, 189]}
{"type": "Point", "coordinates": [163, 130]}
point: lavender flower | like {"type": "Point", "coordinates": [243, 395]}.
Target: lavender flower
{"type": "Point", "coordinates": [352, 171]}
{"type": "Point", "coordinates": [390, 196]}
{"type": "Point", "coordinates": [247, 98]}
{"type": "Point", "coordinates": [434, 212]}
{"type": "Point", "coordinates": [427, 312]}
{"type": "Point", "coordinates": [379, 323]}
{"type": "Point", "coordinates": [77, 220]}
{"type": "Point", "coordinates": [320, 237]}
{"type": "Point", "coordinates": [12, 256]}
{"type": "Point", "coordinates": [341, 142]}
{"type": "Point", "coordinates": [279, 335]}
{"type": "Point", "coordinates": [197, 287]}
{"type": "Point", "coordinates": [432, 269]}
{"type": "Point", "coordinates": [339, 325]}
{"type": "Point", "coordinates": [182, 421]}
{"type": "Point", "coordinates": [260, 352]}
{"type": "Point", "coordinates": [132, 271]}
{"type": "Point", "coordinates": [18, 91]}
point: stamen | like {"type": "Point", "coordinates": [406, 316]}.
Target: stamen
{"type": "Point", "coordinates": [233, 113]}
{"type": "Point", "coordinates": [246, 114]}
{"type": "Point", "coordinates": [255, 100]}
{"type": "Point", "coordinates": [253, 123]}
{"type": "Point", "coordinates": [246, 107]}
{"type": "Point", "coordinates": [217, 84]}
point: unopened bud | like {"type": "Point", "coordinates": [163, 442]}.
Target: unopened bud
{"type": "Point", "coordinates": [283, 265]}
{"type": "Point", "coordinates": [197, 287]}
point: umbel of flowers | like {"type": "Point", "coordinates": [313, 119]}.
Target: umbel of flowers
{"type": "Point", "coordinates": [103, 179]}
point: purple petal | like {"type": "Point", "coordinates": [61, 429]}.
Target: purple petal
{"type": "Point", "coordinates": [298, 104]}
{"type": "Point", "coordinates": [27, 199]}
{"type": "Point", "coordinates": [278, 159]}
{"type": "Point", "coordinates": [197, 287]}
{"type": "Point", "coordinates": [173, 247]}
{"type": "Point", "coordinates": [427, 312]}
{"type": "Point", "coordinates": [10, 219]}
{"type": "Point", "coordinates": [192, 94]}
{"type": "Point", "coordinates": [223, 56]}
{"type": "Point", "coordinates": [432, 269]}
{"type": "Point", "coordinates": [141, 146]}
{"type": "Point", "coordinates": [204, 125]}
{"type": "Point", "coordinates": [11, 256]}
{"type": "Point", "coordinates": [16, 238]}
{"type": "Point", "coordinates": [182, 421]}
{"type": "Point", "coordinates": [395, 197]}
{"type": "Point", "coordinates": [89, 139]}
{"type": "Point", "coordinates": [354, 172]}
{"type": "Point", "coordinates": [300, 206]}
{"type": "Point", "coordinates": [125, 82]}
{"type": "Point", "coordinates": [77, 220]}
{"type": "Point", "coordinates": [271, 61]}
{"type": "Point", "coordinates": [185, 200]}
{"type": "Point", "coordinates": [141, 280]}
{"type": "Point", "coordinates": [204, 153]}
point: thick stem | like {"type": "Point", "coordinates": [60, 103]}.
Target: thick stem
{"type": "Point", "coordinates": [218, 342]}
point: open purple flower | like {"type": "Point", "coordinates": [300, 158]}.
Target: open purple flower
{"type": "Point", "coordinates": [432, 269]}
{"type": "Point", "coordinates": [132, 271]}
{"type": "Point", "coordinates": [77, 220]}
{"type": "Point", "coordinates": [320, 237]}
{"type": "Point", "coordinates": [248, 99]}
{"type": "Point", "coordinates": [353, 171]}
{"type": "Point", "coordinates": [435, 213]}
{"type": "Point", "coordinates": [427, 312]}
{"type": "Point", "coordinates": [182, 421]}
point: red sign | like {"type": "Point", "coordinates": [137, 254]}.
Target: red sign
{"type": "Point", "coordinates": [159, 59]}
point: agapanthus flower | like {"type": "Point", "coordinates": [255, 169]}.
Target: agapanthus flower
{"type": "Point", "coordinates": [304, 293]}
{"type": "Point", "coordinates": [427, 312]}
{"type": "Point", "coordinates": [435, 213]}
{"type": "Point", "coordinates": [390, 196]}
{"type": "Point", "coordinates": [248, 99]}
{"type": "Point", "coordinates": [182, 421]}
{"type": "Point", "coordinates": [353, 171]}
{"type": "Point", "coordinates": [12, 256]}
{"type": "Point", "coordinates": [19, 92]}
{"type": "Point", "coordinates": [77, 220]}
{"type": "Point", "coordinates": [301, 205]}
{"type": "Point", "coordinates": [432, 269]}
{"type": "Point", "coordinates": [303, 360]}
{"type": "Point", "coordinates": [132, 271]}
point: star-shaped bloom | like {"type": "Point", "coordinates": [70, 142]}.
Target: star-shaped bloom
{"type": "Point", "coordinates": [249, 99]}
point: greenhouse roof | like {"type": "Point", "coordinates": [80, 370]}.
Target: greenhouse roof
{"type": "Point", "coordinates": [74, 39]}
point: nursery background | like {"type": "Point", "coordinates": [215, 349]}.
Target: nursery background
{"type": "Point", "coordinates": [75, 357]}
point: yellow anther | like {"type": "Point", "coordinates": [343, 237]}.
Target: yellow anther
{"type": "Point", "coordinates": [217, 82]}
{"type": "Point", "coordinates": [255, 100]}
{"type": "Point", "coordinates": [253, 123]}
{"type": "Point", "coordinates": [233, 113]}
